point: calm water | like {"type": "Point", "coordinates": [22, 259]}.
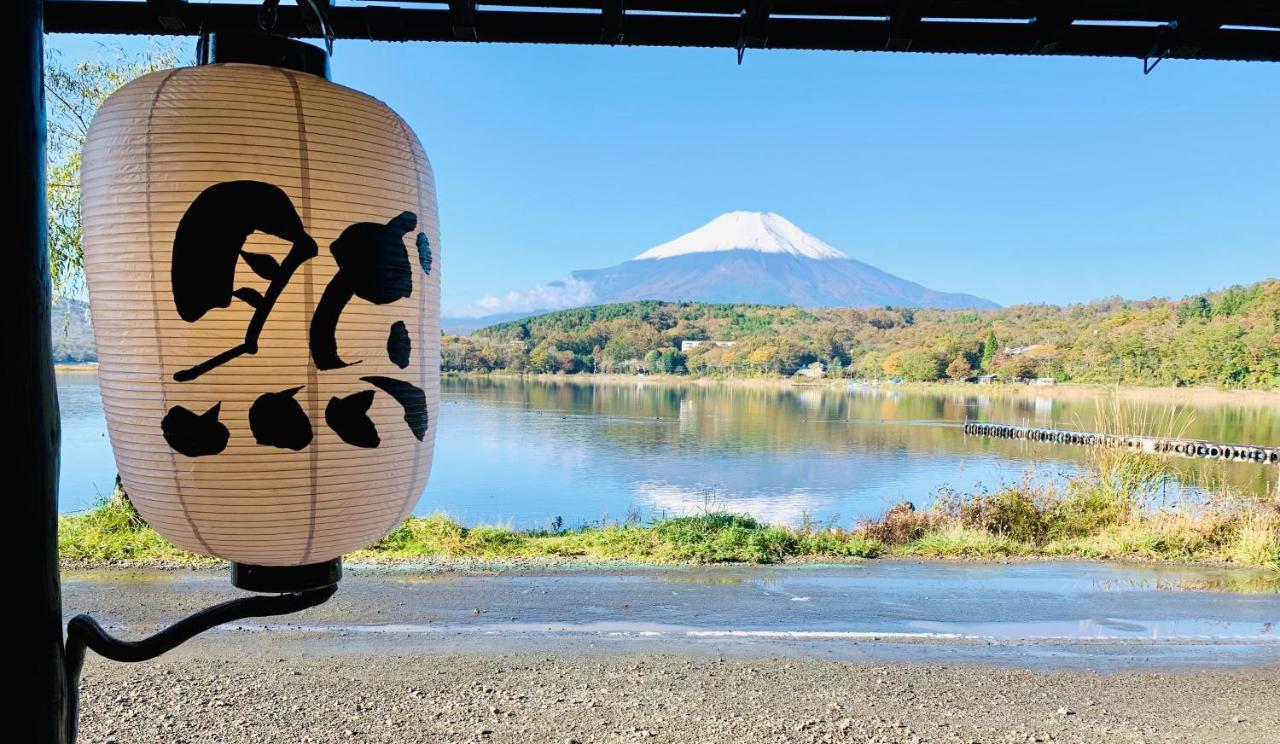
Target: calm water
{"type": "Point", "coordinates": [524, 453]}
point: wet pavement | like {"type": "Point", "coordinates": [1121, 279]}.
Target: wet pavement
{"type": "Point", "coordinates": [1038, 614]}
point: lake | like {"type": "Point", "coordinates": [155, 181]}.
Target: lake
{"type": "Point", "coordinates": [526, 452]}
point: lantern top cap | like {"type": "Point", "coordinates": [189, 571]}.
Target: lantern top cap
{"type": "Point", "coordinates": [261, 49]}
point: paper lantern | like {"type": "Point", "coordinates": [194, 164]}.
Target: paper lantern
{"type": "Point", "coordinates": [262, 255]}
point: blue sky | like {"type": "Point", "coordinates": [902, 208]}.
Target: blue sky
{"type": "Point", "coordinates": [1017, 179]}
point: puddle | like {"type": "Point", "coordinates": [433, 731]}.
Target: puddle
{"type": "Point", "coordinates": [1105, 629]}
{"type": "Point", "coordinates": [1111, 629]}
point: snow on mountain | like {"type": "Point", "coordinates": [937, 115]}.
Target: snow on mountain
{"type": "Point", "coordinates": [737, 257]}
{"type": "Point", "coordinates": [764, 232]}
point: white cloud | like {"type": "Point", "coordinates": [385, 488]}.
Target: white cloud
{"type": "Point", "coordinates": [568, 292]}
{"type": "Point", "coordinates": [789, 507]}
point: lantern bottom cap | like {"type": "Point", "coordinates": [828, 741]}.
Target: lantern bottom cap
{"type": "Point", "coordinates": [284, 579]}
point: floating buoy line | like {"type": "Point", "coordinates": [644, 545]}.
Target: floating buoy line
{"type": "Point", "coordinates": [1153, 445]}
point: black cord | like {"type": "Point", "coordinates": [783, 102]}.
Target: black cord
{"type": "Point", "coordinates": [83, 632]}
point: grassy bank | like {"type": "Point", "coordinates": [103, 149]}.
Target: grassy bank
{"type": "Point", "coordinates": [1108, 513]}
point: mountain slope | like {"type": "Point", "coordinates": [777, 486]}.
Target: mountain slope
{"type": "Point", "coordinates": [747, 257]}
{"type": "Point", "coordinates": [760, 258]}
{"type": "Point", "coordinates": [766, 278]}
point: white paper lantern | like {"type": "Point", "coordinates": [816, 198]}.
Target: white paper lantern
{"type": "Point", "coordinates": [262, 254]}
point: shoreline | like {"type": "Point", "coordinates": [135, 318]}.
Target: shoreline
{"type": "Point", "coordinates": [1259, 579]}
{"type": "Point", "coordinates": [75, 367]}
{"type": "Point", "coordinates": [1195, 396]}
{"type": "Point", "coordinates": [1003, 527]}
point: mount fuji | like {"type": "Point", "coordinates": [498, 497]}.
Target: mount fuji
{"type": "Point", "coordinates": [750, 257]}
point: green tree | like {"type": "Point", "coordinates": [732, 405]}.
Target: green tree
{"type": "Point", "coordinates": [665, 361]}
{"type": "Point", "coordinates": [920, 365]}
{"type": "Point", "coordinates": [540, 359]}
{"type": "Point", "coordinates": [1195, 307]}
{"type": "Point", "coordinates": [988, 351]}
{"type": "Point", "coordinates": [1235, 300]}
{"type": "Point", "coordinates": [73, 95]}
{"type": "Point", "coordinates": [870, 365]}
{"type": "Point", "coordinates": [1235, 343]}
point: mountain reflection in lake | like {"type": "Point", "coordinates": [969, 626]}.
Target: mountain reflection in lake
{"type": "Point", "coordinates": [526, 452]}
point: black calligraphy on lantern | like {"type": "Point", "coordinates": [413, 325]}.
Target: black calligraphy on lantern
{"type": "Point", "coordinates": [373, 266]}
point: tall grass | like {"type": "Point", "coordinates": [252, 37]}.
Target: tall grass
{"type": "Point", "coordinates": [1117, 507]}
{"type": "Point", "coordinates": [113, 532]}
{"type": "Point", "coordinates": [714, 537]}
{"type": "Point", "coordinates": [1079, 520]}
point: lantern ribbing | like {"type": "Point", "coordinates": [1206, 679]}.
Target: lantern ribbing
{"type": "Point", "coordinates": [255, 448]}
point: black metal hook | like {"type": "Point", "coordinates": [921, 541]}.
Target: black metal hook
{"type": "Point", "coordinates": [83, 632]}
{"type": "Point", "coordinates": [321, 11]}
{"type": "Point", "coordinates": [268, 14]}
{"type": "Point", "coordinates": [1157, 50]}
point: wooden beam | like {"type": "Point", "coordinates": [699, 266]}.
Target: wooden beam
{"type": "Point", "coordinates": [792, 24]}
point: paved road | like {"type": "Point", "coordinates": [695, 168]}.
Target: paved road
{"type": "Point", "coordinates": [877, 652]}
{"type": "Point", "coordinates": [1068, 613]}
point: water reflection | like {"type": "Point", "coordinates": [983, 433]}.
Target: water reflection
{"type": "Point", "coordinates": [1234, 580]}
{"type": "Point", "coordinates": [524, 453]}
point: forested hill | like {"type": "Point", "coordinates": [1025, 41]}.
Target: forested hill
{"type": "Point", "coordinates": [72, 332]}
{"type": "Point", "coordinates": [1229, 338]}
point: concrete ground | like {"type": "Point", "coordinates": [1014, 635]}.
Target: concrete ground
{"type": "Point", "coordinates": [884, 651]}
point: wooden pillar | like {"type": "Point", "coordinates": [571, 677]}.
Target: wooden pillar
{"type": "Point", "coordinates": [31, 398]}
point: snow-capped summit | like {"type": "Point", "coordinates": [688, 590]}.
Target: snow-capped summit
{"type": "Point", "coordinates": [737, 257]}
{"type": "Point", "coordinates": [764, 232]}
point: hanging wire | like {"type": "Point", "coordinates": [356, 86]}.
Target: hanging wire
{"type": "Point", "coordinates": [321, 12]}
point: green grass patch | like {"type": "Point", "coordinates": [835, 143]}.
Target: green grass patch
{"type": "Point", "coordinates": [113, 532]}
{"type": "Point", "coordinates": [1098, 515]}
{"type": "Point", "coordinates": [958, 541]}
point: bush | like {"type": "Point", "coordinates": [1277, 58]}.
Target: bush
{"type": "Point", "coordinates": [719, 537]}
{"type": "Point", "coordinates": [900, 525]}
{"type": "Point", "coordinates": [1010, 512]}
{"type": "Point", "coordinates": [838, 542]}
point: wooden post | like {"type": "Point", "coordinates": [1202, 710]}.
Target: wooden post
{"type": "Point", "coordinates": [31, 398]}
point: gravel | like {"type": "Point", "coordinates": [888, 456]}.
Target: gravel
{"type": "Point", "coordinates": [322, 689]}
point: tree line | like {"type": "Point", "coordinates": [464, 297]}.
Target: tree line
{"type": "Point", "coordinates": [1229, 338]}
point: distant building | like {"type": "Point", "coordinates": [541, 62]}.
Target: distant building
{"type": "Point", "coordinates": [685, 346]}
{"type": "Point", "coordinates": [1045, 381]}
{"type": "Point", "coordinates": [986, 379]}
{"type": "Point", "coordinates": [815, 370]}
{"type": "Point", "coordinates": [1020, 350]}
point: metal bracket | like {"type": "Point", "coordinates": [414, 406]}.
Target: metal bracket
{"type": "Point", "coordinates": [612, 13]}
{"type": "Point", "coordinates": [462, 15]}
{"type": "Point", "coordinates": [169, 14]}
{"type": "Point", "coordinates": [1158, 49]}
{"type": "Point", "coordinates": [83, 632]}
{"type": "Point", "coordinates": [903, 17]}
{"type": "Point", "coordinates": [1049, 25]}
{"type": "Point", "coordinates": [753, 29]}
